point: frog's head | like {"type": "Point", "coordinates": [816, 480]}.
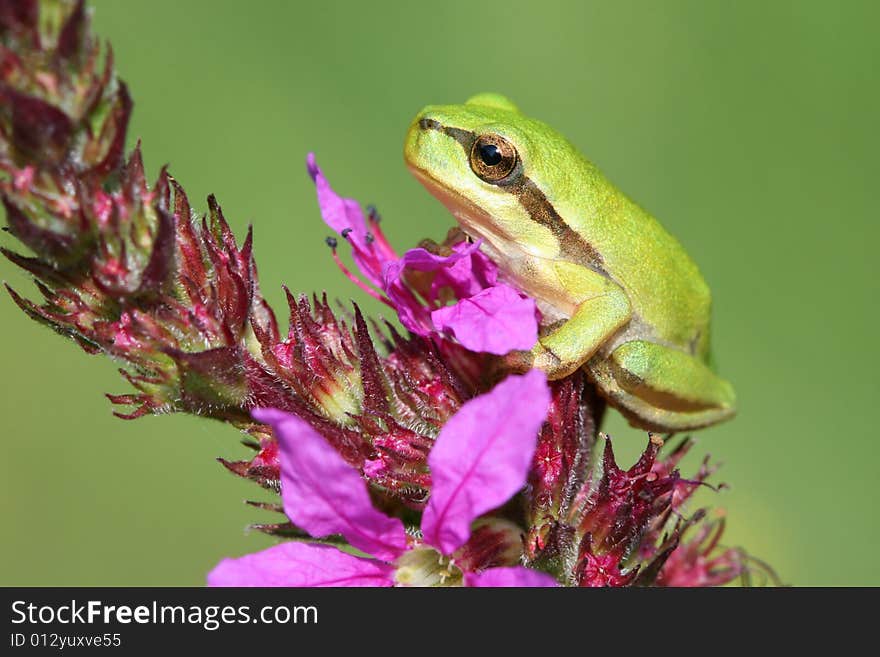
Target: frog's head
{"type": "Point", "coordinates": [498, 171]}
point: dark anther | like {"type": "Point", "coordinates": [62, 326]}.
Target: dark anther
{"type": "Point", "coordinates": [5, 229]}
{"type": "Point", "coordinates": [331, 242]}
{"type": "Point", "coordinates": [373, 213]}
{"type": "Point", "coordinates": [370, 238]}
{"type": "Point", "coordinates": [345, 232]}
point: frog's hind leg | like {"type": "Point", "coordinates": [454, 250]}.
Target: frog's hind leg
{"type": "Point", "coordinates": [662, 389]}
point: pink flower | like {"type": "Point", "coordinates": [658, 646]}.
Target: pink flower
{"type": "Point", "coordinates": [487, 315]}
{"type": "Point", "coordinates": [700, 561]}
{"type": "Point", "coordinates": [480, 459]}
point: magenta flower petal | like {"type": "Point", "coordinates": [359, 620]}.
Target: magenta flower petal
{"type": "Point", "coordinates": [512, 576]}
{"type": "Point", "coordinates": [497, 320]}
{"type": "Point", "coordinates": [466, 276]}
{"type": "Point", "coordinates": [338, 213]}
{"type": "Point", "coordinates": [411, 311]}
{"type": "Point", "coordinates": [345, 216]}
{"type": "Point", "coordinates": [423, 260]}
{"type": "Point", "coordinates": [301, 564]}
{"type": "Point", "coordinates": [482, 456]}
{"type": "Point", "coordinates": [324, 495]}
{"type": "Point", "coordinates": [413, 315]}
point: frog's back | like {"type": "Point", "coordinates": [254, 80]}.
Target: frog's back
{"type": "Point", "coordinates": [671, 301]}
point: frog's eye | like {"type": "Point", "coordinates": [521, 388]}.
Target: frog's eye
{"type": "Point", "coordinates": [493, 158]}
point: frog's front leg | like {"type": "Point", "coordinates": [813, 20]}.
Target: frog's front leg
{"type": "Point", "coordinates": [601, 308]}
{"type": "Point", "coordinates": [661, 388]}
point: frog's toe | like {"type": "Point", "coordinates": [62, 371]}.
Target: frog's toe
{"type": "Point", "coordinates": [518, 361]}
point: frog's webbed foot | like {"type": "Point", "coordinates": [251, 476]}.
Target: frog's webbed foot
{"type": "Point", "coordinates": [662, 389]}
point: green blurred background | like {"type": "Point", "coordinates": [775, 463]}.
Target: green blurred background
{"type": "Point", "coordinates": [748, 128]}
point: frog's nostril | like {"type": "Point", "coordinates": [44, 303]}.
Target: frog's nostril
{"type": "Point", "coordinates": [429, 124]}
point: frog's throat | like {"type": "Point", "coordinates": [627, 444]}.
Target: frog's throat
{"type": "Point", "coordinates": [538, 207]}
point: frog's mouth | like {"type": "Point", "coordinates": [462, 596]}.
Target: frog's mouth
{"type": "Point", "coordinates": [474, 220]}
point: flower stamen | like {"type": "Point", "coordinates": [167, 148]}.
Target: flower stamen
{"type": "Point", "coordinates": [331, 242]}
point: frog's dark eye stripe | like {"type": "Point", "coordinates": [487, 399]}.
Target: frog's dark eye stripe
{"type": "Point", "coordinates": [530, 196]}
{"type": "Point", "coordinates": [571, 244]}
{"type": "Point", "coordinates": [464, 137]}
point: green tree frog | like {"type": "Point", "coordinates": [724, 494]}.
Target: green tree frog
{"type": "Point", "coordinates": [619, 296]}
